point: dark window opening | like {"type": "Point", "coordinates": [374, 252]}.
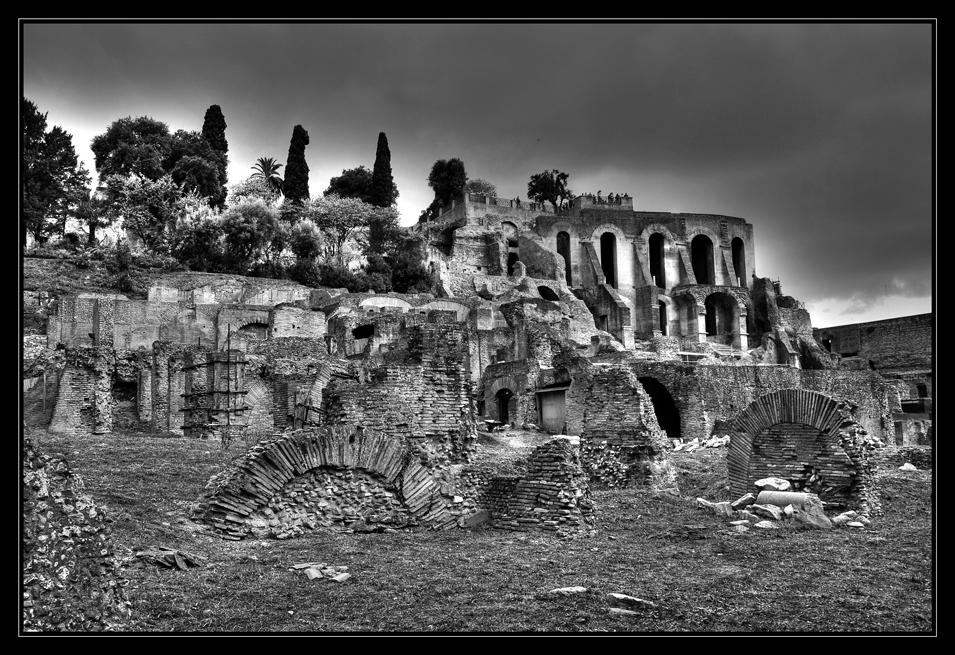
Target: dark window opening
{"type": "Point", "coordinates": [739, 260]}
{"type": "Point", "coordinates": [608, 257]}
{"type": "Point", "coordinates": [710, 318]}
{"type": "Point", "coordinates": [602, 322]}
{"type": "Point", "coordinates": [657, 273]}
{"type": "Point", "coordinates": [547, 293]}
{"type": "Point", "coordinates": [663, 317]}
{"type": "Point", "coordinates": [563, 249]}
{"type": "Point", "coordinates": [501, 355]}
{"type": "Point", "coordinates": [363, 331]}
{"type": "Point", "coordinates": [512, 243]}
{"type": "Point", "coordinates": [899, 434]}
{"type": "Point", "coordinates": [701, 252]}
{"type": "Point", "coordinates": [668, 416]}
{"type": "Point", "coordinates": [827, 344]}
{"type": "Point", "coordinates": [922, 390]}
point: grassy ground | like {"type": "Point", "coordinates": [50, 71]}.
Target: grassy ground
{"type": "Point", "coordinates": [702, 580]}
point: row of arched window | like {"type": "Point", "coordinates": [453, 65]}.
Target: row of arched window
{"type": "Point", "coordinates": [701, 257]}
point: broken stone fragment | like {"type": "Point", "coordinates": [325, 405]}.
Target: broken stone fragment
{"type": "Point", "coordinates": [566, 591]}
{"type": "Point", "coordinates": [621, 611]}
{"type": "Point", "coordinates": [908, 466]}
{"type": "Point", "coordinates": [341, 577]}
{"type": "Point", "coordinates": [812, 516]}
{"type": "Point", "coordinates": [747, 516]}
{"type": "Point", "coordinates": [767, 511]}
{"type": "Point", "coordinates": [743, 501]}
{"type": "Point", "coordinates": [623, 600]}
{"type": "Point", "coordinates": [855, 524]}
{"type": "Point", "coordinates": [311, 574]}
{"type": "Point", "coordinates": [740, 522]}
{"type": "Point", "coordinates": [766, 525]}
{"type": "Point", "coordinates": [772, 484]}
{"type": "Point", "coordinates": [844, 518]}
{"type": "Point", "coordinates": [741, 528]}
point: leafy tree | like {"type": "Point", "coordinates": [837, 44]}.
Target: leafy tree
{"type": "Point", "coordinates": [408, 272]}
{"type": "Point", "coordinates": [305, 240]}
{"type": "Point", "coordinates": [296, 169]}
{"type": "Point", "coordinates": [51, 176]}
{"type": "Point", "coordinates": [249, 226]}
{"type": "Point", "coordinates": [133, 146]}
{"type": "Point", "coordinates": [213, 132]}
{"type": "Point", "coordinates": [95, 212]}
{"type": "Point", "coordinates": [447, 178]}
{"type": "Point", "coordinates": [267, 170]}
{"type": "Point", "coordinates": [481, 187]}
{"type": "Point", "coordinates": [352, 183]}
{"type": "Point", "coordinates": [148, 207]}
{"type": "Point", "coordinates": [253, 187]}
{"type": "Point", "coordinates": [196, 237]}
{"type": "Point", "coordinates": [549, 186]}
{"type": "Point", "coordinates": [384, 192]}
{"type": "Point", "coordinates": [195, 166]}
{"type": "Point", "coordinates": [342, 220]}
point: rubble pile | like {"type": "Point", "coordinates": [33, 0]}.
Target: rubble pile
{"type": "Point", "coordinates": [776, 506]}
{"type": "Point", "coordinates": [72, 581]}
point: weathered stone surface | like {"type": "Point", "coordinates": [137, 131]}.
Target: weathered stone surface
{"type": "Point", "coordinates": [766, 525]}
{"type": "Point", "coordinates": [341, 577]}
{"type": "Point", "coordinates": [845, 517]}
{"type": "Point", "coordinates": [770, 512]}
{"type": "Point", "coordinates": [772, 484]}
{"type": "Point", "coordinates": [620, 611]}
{"type": "Point", "coordinates": [743, 502]}
{"type": "Point", "coordinates": [908, 466]}
{"type": "Point", "coordinates": [855, 524]}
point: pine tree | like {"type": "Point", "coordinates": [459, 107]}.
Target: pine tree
{"type": "Point", "coordinates": [295, 186]}
{"type": "Point", "coordinates": [383, 189]}
{"type": "Point", "coordinates": [213, 131]}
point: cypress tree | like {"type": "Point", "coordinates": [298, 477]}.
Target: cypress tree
{"type": "Point", "coordinates": [295, 186]}
{"type": "Point", "coordinates": [383, 190]}
{"type": "Point", "coordinates": [213, 131]}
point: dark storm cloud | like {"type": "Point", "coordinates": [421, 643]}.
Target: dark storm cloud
{"type": "Point", "coordinates": [819, 135]}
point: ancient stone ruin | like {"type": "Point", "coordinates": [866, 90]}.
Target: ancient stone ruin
{"type": "Point", "coordinates": [628, 330]}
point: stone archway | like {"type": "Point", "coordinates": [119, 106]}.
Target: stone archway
{"type": "Point", "coordinates": [239, 505]}
{"type": "Point", "coordinates": [796, 434]}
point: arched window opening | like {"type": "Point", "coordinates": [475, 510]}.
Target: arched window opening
{"type": "Point", "coordinates": [739, 261]}
{"type": "Point", "coordinates": [547, 293]}
{"type": "Point", "coordinates": [657, 273]}
{"type": "Point", "coordinates": [701, 250]}
{"type": "Point", "coordinates": [563, 249]}
{"type": "Point", "coordinates": [503, 400]}
{"type": "Point", "coordinates": [663, 317]}
{"type": "Point", "coordinates": [668, 416]}
{"type": "Point", "coordinates": [608, 257]}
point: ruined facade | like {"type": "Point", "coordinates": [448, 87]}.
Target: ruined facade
{"type": "Point", "coordinates": [626, 329]}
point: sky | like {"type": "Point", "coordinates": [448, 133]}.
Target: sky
{"type": "Point", "coordinates": [821, 135]}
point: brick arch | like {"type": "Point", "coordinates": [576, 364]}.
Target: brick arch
{"type": "Point", "coordinates": [834, 421]}
{"type": "Point", "coordinates": [234, 506]}
{"type": "Point", "coordinates": [506, 382]}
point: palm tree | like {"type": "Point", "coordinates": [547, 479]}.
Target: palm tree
{"type": "Point", "coordinates": [267, 169]}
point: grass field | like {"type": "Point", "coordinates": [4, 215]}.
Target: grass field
{"type": "Point", "coordinates": [875, 580]}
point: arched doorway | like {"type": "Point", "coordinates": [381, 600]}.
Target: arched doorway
{"type": "Point", "coordinates": [657, 269]}
{"type": "Point", "coordinates": [739, 261]}
{"type": "Point", "coordinates": [503, 400]}
{"type": "Point", "coordinates": [668, 416]}
{"type": "Point", "coordinates": [701, 252]}
{"type": "Point", "coordinates": [563, 249]}
{"type": "Point", "coordinates": [608, 257]}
